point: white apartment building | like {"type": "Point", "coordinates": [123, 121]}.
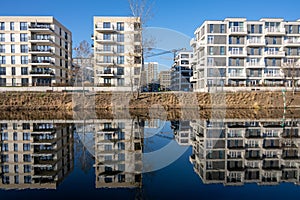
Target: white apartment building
{"type": "Point", "coordinates": [35, 155]}
{"type": "Point", "coordinates": [34, 51]}
{"type": "Point", "coordinates": [151, 72]}
{"type": "Point", "coordinates": [118, 153]}
{"type": "Point", "coordinates": [165, 79]}
{"type": "Point", "coordinates": [117, 52]}
{"type": "Point", "coordinates": [237, 54]}
{"type": "Point", "coordinates": [183, 58]}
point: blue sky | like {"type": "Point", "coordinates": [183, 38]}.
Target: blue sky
{"type": "Point", "coordinates": [182, 16]}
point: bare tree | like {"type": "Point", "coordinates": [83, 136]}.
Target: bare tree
{"type": "Point", "coordinates": [290, 71]}
{"type": "Point", "coordinates": [142, 11]}
{"type": "Point", "coordinates": [84, 60]}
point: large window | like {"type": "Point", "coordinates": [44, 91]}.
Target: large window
{"type": "Point", "coordinates": [12, 26]}
{"type": "Point", "coordinates": [2, 48]}
{"type": "Point", "coordinates": [120, 48]}
{"type": "Point", "coordinates": [12, 48]}
{"type": "Point", "coordinates": [24, 70]}
{"type": "Point", "coordinates": [106, 24]}
{"type": "Point", "coordinates": [222, 28]}
{"type": "Point", "coordinates": [2, 60]}
{"type": "Point", "coordinates": [107, 59]}
{"type": "Point", "coordinates": [120, 37]}
{"type": "Point", "coordinates": [222, 50]}
{"type": "Point", "coordinates": [26, 147]}
{"type": "Point", "coordinates": [106, 36]}
{"type": "Point", "coordinates": [12, 37]}
{"type": "Point", "coordinates": [2, 26]}
{"type": "Point", "coordinates": [211, 28]}
{"type": "Point", "coordinates": [120, 26]}
{"type": "Point", "coordinates": [23, 37]}
{"type": "Point", "coordinates": [2, 37]}
{"type": "Point", "coordinates": [120, 60]}
{"type": "Point", "coordinates": [106, 47]}
{"type": "Point", "coordinates": [24, 59]}
{"type": "Point", "coordinates": [23, 26]}
{"type": "Point", "coordinates": [13, 60]}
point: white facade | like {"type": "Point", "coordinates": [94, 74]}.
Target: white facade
{"type": "Point", "coordinates": [117, 52]}
{"type": "Point", "coordinates": [183, 58]}
{"type": "Point", "coordinates": [34, 51]}
{"type": "Point", "coordinates": [237, 54]}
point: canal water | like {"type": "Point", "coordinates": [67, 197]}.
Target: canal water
{"type": "Point", "coordinates": [234, 156]}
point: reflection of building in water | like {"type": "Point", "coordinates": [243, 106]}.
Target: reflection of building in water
{"type": "Point", "coordinates": [118, 153]}
{"type": "Point", "coordinates": [183, 132]}
{"type": "Point", "coordinates": [153, 123]}
{"type": "Point", "coordinates": [237, 152]}
{"type": "Point", "coordinates": [35, 155]}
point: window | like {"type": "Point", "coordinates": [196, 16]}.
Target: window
{"type": "Point", "coordinates": [290, 28]}
{"type": "Point", "coordinates": [211, 50]}
{"type": "Point", "coordinates": [27, 179]}
{"type": "Point", "coordinates": [222, 50]}
{"type": "Point", "coordinates": [23, 26]}
{"type": "Point", "coordinates": [2, 71]}
{"type": "Point", "coordinates": [106, 24]}
{"type": "Point", "coordinates": [26, 158]}
{"type": "Point", "coordinates": [2, 61]}
{"type": "Point", "coordinates": [274, 62]}
{"type": "Point", "coordinates": [23, 37]}
{"type": "Point", "coordinates": [27, 168]}
{"type": "Point", "coordinates": [120, 60]}
{"type": "Point", "coordinates": [210, 39]}
{"type": "Point", "coordinates": [120, 48]}
{"type": "Point", "coordinates": [12, 26]}
{"type": "Point", "coordinates": [120, 71]}
{"type": "Point", "coordinates": [26, 147]}
{"type": "Point", "coordinates": [121, 82]}
{"type": "Point", "coordinates": [5, 168]}
{"type": "Point", "coordinates": [106, 36]}
{"type": "Point", "coordinates": [2, 48]}
{"type": "Point", "coordinates": [237, 62]}
{"type": "Point", "coordinates": [12, 37]}
{"type": "Point", "coordinates": [16, 179]}
{"type": "Point", "coordinates": [260, 29]}
{"type": "Point", "coordinates": [13, 61]}
{"type": "Point", "coordinates": [2, 37]}
{"type": "Point", "coordinates": [4, 147]}
{"type": "Point", "coordinates": [25, 126]}
{"type": "Point", "coordinates": [24, 59]}
{"type": "Point", "coordinates": [230, 40]}
{"type": "Point", "coordinates": [106, 47]}
{"type": "Point", "coordinates": [12, 48]}
{"type": "Point", "coordinates": [4, 136]}
{"type": "Point", "coordinates": [4, 158]}
{"type": "Point", "coordinates": [121, 146]}
{"type": "Point", "coordinates": [24, 81]}
{"type": "Point", "coordinates": [222, 28]}
{"type": "Point", "coordinates": [15, 136]}
{"type": "Point", "coordinates": [137, 37]}
{"type": "Point", "coordinates": [211, 28]}
{"type": "Point", "coordinates": [15, 147]}
{"type": "Point", "coordinates": [5, 180]}
{"type": "Point", "coordinates": [2, 26]}
{"type": "Point", "coordinates": [26, 136]}
{"type": "Point", "coordinates": [24, 48]}
{"type": "Point", "coordinates": [238, 40]}
{"type": "Point", "coordinates": [274, 40]}
{"type": "Point", "coordinates": [24, 70]}
{"type": "Point", "coordinates": [252, 28]}
{"type": "Point", "coordinates": [137, 70]}
{"type": "Point", "coordinates": [120, 37]}
{"type": "Point", "coordinates": [120, 26]}
{"type": "Point", "coordinates": [107, 59]}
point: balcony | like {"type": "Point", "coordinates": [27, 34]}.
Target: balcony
{"type": "Point", "coordinates": [292, 42]}
{"type": "Point", "coordinates": [193, 42]}
{"type": "Point", "coordinates": [237, 53]}
{"type": "Point", "coordinates": [274, 53]}
{"type": "Point", "coordinates": [106, 40]}
{"type": "Point", "coordinates": [273, 76]}
{"type": "Point", "coordinates": [44, 28]}
{"type": "Point", "coordinates": [41, 62]}
{"type": "Point", "coordinates": [41, 51]}
{"type": "Point", "coordinates": [42, 72]}
{"type": "Point", "coordinates": [255, 42]}
{"type": "Point", "coordinates": [105, 63]}
{"type": "Point", "coordinates": [105, 51]}
{"type": "Point", "coordinates": [274, 31]}
{"type": "Point", "coordinates": [237, 30]}
{"type": "Point", "coordinates": [255, 64]}
{"type": "Point", "coordinates": [237, 75]}
{"type": "Point", "coordinates": [102, 29]}
{"type": "Point", "coordinates": [106, 73]}
{"type": "Point", "coordinates": [40, 40]}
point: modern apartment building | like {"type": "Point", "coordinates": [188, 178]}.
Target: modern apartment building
{"type": "Point", "coordinates": [35, 155]}
{"type": "Point", "coordinates": [165, 79]}
{"type": "Point", "coordinates": [151, 72]}
{"type": "Point", "coordinates": [239, 151]}
{"type": "Point", "coordinates": [183, 58]}
{"type": "Point", "coordinates": [117, 52]}
{"type": "Point", "coordinates": [118, 153]}
{"type": "Point", "coordinates": [236, 54]}
{"type": "Point", "coordinates": [34, 51]}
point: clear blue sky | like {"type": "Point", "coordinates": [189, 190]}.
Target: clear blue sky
{"type": "Point", "coordinates": [183, 16]}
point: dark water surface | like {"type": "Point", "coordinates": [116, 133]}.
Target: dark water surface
{"type": "Point", "coordinates": [139, 158]}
